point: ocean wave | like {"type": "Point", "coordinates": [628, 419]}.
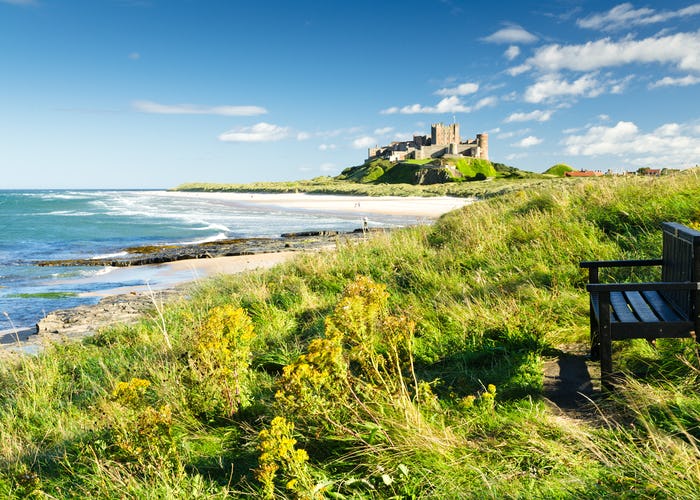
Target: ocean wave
{"type": "Point", "coordinates": [98, 272]}
{"type": "Point", "coordinates": [69, 213]}
{"type": "Point", "coordinates": [70, 195]}
{"type": "Point", "coordinates": [109, 255]}
{"type": "Point", "coordinates": [212, 226]}
{"type": "Point", "coordinates": [216, 237]}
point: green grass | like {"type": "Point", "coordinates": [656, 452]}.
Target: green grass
{"type": "Point", "coordinates": [401, 186]}
{"type": "Point", "coordinates": [424, 161]}
{"type": "Point", "coordinates": [473, 167]}
{"type": "Point", "coordinates": [397, 410]}
{"type": "Point", "coordinates": [43, 295]}
{"type": "Point", "coordinates": [558, 170]}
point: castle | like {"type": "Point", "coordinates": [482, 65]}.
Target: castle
{"type": "Point", "coordinates": [444, 141]}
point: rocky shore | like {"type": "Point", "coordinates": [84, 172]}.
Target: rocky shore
{"type": "Point", "coordinates": [77, 323]}
{"type": "Point", "coordinates": [137, 256]}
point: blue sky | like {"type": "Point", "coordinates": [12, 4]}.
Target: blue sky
{"type": "Point", "coordinates": [153, 93]}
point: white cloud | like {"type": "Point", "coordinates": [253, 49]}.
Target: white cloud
{"type": "Point", "coordinates": [618, 86]}
{"type": "Point", "coordinates": [668, 130]}
{"type": "Point", "coordinates": [536, 115]}
{"type": "Point", "coordinates": [681, 50]}
{"type": "Point", "coordinates": [670, 145]}
{"type": "Point", "coordinates": [134, 56]}
{"type": "Point", "coordinates": [516, 156]}
{"type": "Point", "coordinates": [513, 133]}
{"type": "Point", "coordinates": [302, 136]}
{"type": "Point", "coordinates": [447, 105]}
{"type": "Point", "coordinates": [364, 142]}
{"type": "Point", "coordinates": [625, 15]}
{"type": "Point", "coordinates": [461, 89]}
{"type": "Point", "coordinates": [512, 52]}
{"type": "Point", "coordinates": [193, 109]}
{"type": "Point", "coordinates": [550, 87]}
{"type": "Point", "coordinates": [326, 147]}
{"type": "Point", "coordinates": [260, 132]}
{"type": "Point", "coordinates": [528, 142]}
{"type": "Point", "coordinates": [327, 167]}
{"type": "Point", "coordinates": [511, 34]}
{"type": "Point", "coordinates": [384, 130]}
{"type": "Point", "coordinates": [452, 104]}
{"type": "Point", "coordinates": [518, 70]}
{"type": "Point", "coordinates": [485, 102]}
{"type": "Point", "coordinates": [675, 82]}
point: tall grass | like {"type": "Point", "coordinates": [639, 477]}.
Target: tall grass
{"type": "Point", "coordinates": [409, 365]}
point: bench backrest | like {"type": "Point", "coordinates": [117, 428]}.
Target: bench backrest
{"type": "Point", "coordinates": [681, 262]}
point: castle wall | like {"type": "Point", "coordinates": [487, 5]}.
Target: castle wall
{"type": "Point", "coordinates": [432, 151]}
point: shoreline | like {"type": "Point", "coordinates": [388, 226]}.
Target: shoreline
{"type": "Point", "coordinates": [128, 304]}
{"type": "Point", "coordinates": [429, 207]}
{"type": "Point", "coordinates": [163, 276]}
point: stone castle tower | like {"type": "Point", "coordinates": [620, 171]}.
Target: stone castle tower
{"type": "Point", "coordinates": [482, 142]}
{"type": "Point", "coordinates": [444, 134]}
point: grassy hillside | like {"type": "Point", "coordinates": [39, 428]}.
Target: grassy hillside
{"type": "Point", "coordinates": [408, 172]}
{"type": "Point", "coordinates": [559, 170]}
{"type": "Point", "coordinates": [406, 366]}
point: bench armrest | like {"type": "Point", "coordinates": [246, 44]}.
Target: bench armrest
{"type": "Point", "coordinates": [661, 286]}
{"type": "Point", "coordinates": [620, 263]}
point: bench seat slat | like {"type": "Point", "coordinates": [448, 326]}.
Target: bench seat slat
{"type": "Point", "coordinates": [621, 309]}
{"type": "Point", "coordinates": [640, 307]}
{"type": "Point", "coordinates": [663, 309]}
{"type": "Point", "coordinates": [655, 308]}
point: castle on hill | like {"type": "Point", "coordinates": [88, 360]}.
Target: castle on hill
{"type": "Point", "coordinates": [444, 141]}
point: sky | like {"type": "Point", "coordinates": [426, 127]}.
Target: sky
{"type": "Point", "coordinates": [155, 93]}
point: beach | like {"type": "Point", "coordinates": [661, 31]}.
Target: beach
{"type": "Point", "coordinates": [409, 206]}
{"type": "Point", "coordinates": [145, 285]}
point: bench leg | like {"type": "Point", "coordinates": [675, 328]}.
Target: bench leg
{"type": "Point", "coordinates": [595, 335]}
{"type": "Point", "coordinates": [605, 342]}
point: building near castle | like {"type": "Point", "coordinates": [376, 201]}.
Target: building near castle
{"type": "Point", "coordinates": [444, 141]}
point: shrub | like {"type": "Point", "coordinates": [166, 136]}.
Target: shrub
{"type": "Point", "coordinates": [219, 363]}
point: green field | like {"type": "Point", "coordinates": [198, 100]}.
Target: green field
{"type": "Point", "coordinates": [407, 366]}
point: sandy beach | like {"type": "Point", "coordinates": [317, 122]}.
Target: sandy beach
{"type": "Point", "coordinates": [418, 206]}
{"type": "Point", "coordinates": [171, 274]}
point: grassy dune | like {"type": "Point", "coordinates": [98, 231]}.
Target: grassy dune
{"type": "Point", "coordinates": [406, 366]}
{"type": "Point", "coordinates": [329, 185]}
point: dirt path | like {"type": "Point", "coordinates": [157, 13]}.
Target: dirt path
{"type": "Point", "coordinates": [572, 383]}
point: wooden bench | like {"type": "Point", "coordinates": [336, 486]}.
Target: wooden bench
{"type": "Point", "coordinates": [666, 309]}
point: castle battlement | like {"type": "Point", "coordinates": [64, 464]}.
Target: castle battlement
{"type": "Point", "coordinates": [443, 140]}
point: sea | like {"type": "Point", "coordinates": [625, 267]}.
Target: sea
{"type": "Point", "coordinates": [38, 225]}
